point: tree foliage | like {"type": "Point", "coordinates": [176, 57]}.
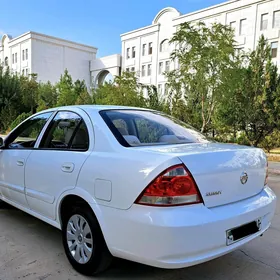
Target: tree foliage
{"type": "Point", "coordinates": [205, 55]}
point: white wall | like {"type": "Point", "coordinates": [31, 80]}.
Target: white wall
{"type": "Point", "coordinates": [49, 61]}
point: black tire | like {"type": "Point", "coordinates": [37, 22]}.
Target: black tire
{"type": "Point", "coordinates": [101, 258]}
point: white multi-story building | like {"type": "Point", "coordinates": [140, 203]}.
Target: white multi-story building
{"type": "Point", "coordinates": [46, 56]}
{"type": "Point", "coordinates": [147, 51]}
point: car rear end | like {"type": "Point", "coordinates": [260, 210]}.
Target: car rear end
{"type": "Point", "coordinates": [212, 201]}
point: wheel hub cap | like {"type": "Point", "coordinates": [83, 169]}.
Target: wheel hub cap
{"type": "Point", "coordinates": [79, 239]}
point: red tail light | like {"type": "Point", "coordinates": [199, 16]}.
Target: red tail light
{"type": "Point", "coordinates": [174, 186]}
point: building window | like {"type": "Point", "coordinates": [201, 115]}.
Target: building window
{"type": "Point", "coordinates": [167, 65]}
{"type": "Point", "coordinates": [22, 72]}
{"type": "Point", "coordinates": [233, 25]}
{"type": "Point", "coordinates": [133, 52]}
{"type": "Point", "coordinates": [264, 21]}
{"type": "Point", "coordinates": [149, 69]}
{"type": "Point", "coordinates": [144, 49]}
{"type": "Point", "coordinates": [165, 89]}
{"type": "Point", "coordinates": [159, 88]}
{"type": "Point", "coordinates": [164, 46]}
{"type": "Point", "coordinates": [242, 27]}
{"type": "Point", "coordinates": [128, 53]}
{"type": "Point", "coordinates": [150, 48]}
{"type": "Point", "coordinates": [23, 54]}
{"type": "Point", "coordinates": [160, 67]}
{"type": "Point", "coordinates": [143, 70]}
{"type": "Point", "coordinates": [13, 58]}
{"type": "Point", "coordinates": [26, 54]}
{"type": "Point", "coordinates": [26, 71]}
{"type": "Point", "coordinates": [132, 69]}
{"type": "Point", "coordinates": [274, 49]}
{"type": "Point", "coordinates": [276, 19]}
{"type": "Point", "coordinates": [127, 69]}
{"type": "Point", "coordinates": [6, 61]}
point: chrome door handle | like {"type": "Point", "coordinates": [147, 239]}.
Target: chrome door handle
{"type": "Point", "coordinates": [20, 162]}
{"type": "Point", "coordinates": [68, 167]}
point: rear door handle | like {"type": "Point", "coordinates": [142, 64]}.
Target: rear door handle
{"type": "Point", "coordinates": [20, 162]}
{"type": "Point", "coordinates": [68, 167]}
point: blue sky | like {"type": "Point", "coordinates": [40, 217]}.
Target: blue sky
{"type": "Point", "coordinates": [94, 22]}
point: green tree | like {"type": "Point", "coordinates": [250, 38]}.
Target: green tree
{"type": "Point", "coordinates": [80, 89]}
{"type": "Point", "coordinates": [47, 96]}
{"type": "Point", "coordinates": [65, 88]}
{"type": "Point", "coordinates": [254, 106]}
{"type": "Point", "coordinates": [205, 54]}
{"type": "Point", "coordinates": [125, 90]}
{"type": "Point", "coordinates": [29, 92]}
{"type": "Point", "coordinates": [10, 98]}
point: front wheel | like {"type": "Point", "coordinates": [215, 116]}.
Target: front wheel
{"type": "Point", "coordinates": [84, 243]}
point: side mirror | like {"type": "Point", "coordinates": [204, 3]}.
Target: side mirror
{"type": "Point", "coordinates": [1, 142]}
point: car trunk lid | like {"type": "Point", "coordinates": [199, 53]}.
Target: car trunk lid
{"type": "Point", "coordinates": [223, 173]}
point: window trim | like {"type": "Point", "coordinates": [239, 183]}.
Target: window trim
{"type": "Point", "coordinates": [68, 149]}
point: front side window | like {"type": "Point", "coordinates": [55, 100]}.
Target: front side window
{"type": "Point", "coordinates": [26, 54]}
{"type": "Point", "coordinates": [128, 53]}
{"type": "Point", "coordinates": [133, 52]}
{"type": "Point", "coordinates": [145, 128]}
{"type": "Point", "coordinates": [25, 136]}
{"type": "Point", "coordinates": [66, 131]}
{"type": "Point", "coordinates": [15, 57]}
{"type": "Point", "coordinates": [23, 54]}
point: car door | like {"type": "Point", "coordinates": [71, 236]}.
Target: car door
{"type": "Point", "coordinates": [54, 167]}
{"type": "Point", "coordinates": [18, 146]}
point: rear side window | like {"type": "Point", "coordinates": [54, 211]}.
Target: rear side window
{"type": "Point", "coordinates": [66, 131]}
{"type": "Point", "coordinates": [144, 128]}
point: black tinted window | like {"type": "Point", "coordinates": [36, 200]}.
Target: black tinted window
{"type": "Point", "coordinates": [67, 130]}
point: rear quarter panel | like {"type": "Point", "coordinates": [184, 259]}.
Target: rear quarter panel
{"type": "Point", "coordinates": [116, 179]}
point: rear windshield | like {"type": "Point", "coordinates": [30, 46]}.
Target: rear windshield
{"type": "Point", "coordinates": [146, 128]}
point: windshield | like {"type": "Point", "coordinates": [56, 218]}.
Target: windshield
{"type": "Point", "coordinates": [146, 128]}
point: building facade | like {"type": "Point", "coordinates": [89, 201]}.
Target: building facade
{"type": "Point", "coordinates": [46, 56]}
{"type": "Point", "coordinates": [147, 51]}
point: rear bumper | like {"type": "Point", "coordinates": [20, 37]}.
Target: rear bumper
{"type": "Point", "coordinates": [181, 236]}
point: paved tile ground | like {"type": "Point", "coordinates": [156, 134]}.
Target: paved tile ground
{"type": "Point", "coordinates": [31, 249]}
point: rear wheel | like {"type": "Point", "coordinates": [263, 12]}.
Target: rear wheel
{"type": "Point", "coordinates": [83, 241]}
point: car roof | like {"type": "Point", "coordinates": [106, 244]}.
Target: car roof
{"type": "Point", "coordinates": [96, 108]}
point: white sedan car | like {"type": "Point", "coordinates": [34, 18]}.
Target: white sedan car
{"type": "Point", "coordinates": [135, 184]}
